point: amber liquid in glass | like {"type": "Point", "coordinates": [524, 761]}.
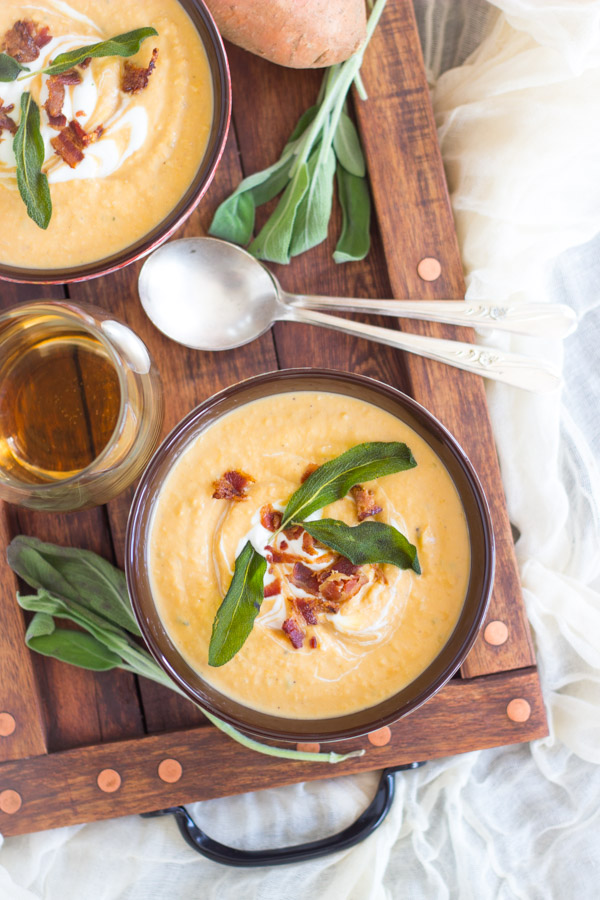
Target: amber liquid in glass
{"type": "Point", "coordinates": [59, 402]}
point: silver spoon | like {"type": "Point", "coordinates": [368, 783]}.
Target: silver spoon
{"type": "Point", "coordinates": [212, 295]}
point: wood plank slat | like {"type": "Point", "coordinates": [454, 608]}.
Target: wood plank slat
{"type": "Point", "coordinates": [415, 219]}
{"type": "Point", "coordinates": [22, 731]}
{"type": "Point", "coordinates": [62, 789]}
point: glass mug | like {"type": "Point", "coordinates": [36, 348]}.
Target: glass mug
{"type": "Point", "coordinates": [81, 405]}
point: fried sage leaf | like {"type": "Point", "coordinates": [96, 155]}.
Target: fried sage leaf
{"type": "Point", "coordinates": [333, 479]}
{"type": "Point", "coordinates": [236, 614]}
{"type": "Point", "coordinates": [369, 542]}
{"type": "Point", "coordinates": [10, 69]}
{"type": "Point", "coordinates": [126, 44]}
{"type": "Point", "coordinates": [28, 147]}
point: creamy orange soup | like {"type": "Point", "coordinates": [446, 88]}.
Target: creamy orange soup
{"type": "Point", "coordinates": [381, 638]}
{"type": "Point", "coordinates": [153, 141]}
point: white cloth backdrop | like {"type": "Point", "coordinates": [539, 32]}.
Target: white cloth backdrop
{"type": "Point", "coordinates": [519, 127]}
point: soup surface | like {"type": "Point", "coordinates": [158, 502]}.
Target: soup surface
{"type": "Point", "coordinates": [383, 636]}
{"type": "Point", "coordinates": [152, 142]}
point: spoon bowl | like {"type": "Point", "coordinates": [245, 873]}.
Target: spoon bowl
{"type": "Point", "coordinates": [208, 294]}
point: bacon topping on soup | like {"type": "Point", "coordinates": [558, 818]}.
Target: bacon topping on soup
{"type": "Point", "coordinates": [25, 40]}
{"type": "Point", "coordinates": [365, 502]}
{"type": "Point", "coordinates": [294, 632]}
{"type": "Point", "coordinates": [270, 518]}
{"type": "Point", "coordinates": [56, 96]}
{"type": "Point", "coordinates": [136, 78]}
{"type": "Point", "coordinates": [232, 486]}
{"type": "Point", "coordinates": [73, 140]}
{"type": "Point", "coordinates": [6, 123]}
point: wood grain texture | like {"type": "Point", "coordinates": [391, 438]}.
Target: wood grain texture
{"type": "Point", "coordinates": [19, 693]}
{"type": "Point", "coordinates": [61, 788]}
{"type": "Point", "coordinates": [415, 220]}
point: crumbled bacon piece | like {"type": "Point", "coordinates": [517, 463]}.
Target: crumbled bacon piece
{"type": "Point", "coordinates": [25, 40]}
{"type": "Point", "coordinates": [283, 545]}
{"type": "Point", "coordinates": [303, 578]}
{"type": "Point", "coordinates": [231, 485]}
{"type": "Point", "coordinates": [307, 611]}
{"type": "Point", "coordinates": [311, 467]}
{"type": "Point", "coordinates": [72, 141]}
{"type": "Point", "coordinates": [294, 632]}
{"type": "Point", "coordinates": [6, 123]}
{"type": "Point", "coordinates": [308, 544]}
{"type": "Point", "coordinates": [365, 502]}
{"type": "Point", "coordinates": [293, 533]}
{"type": "Point", "coordinates": [342, 565]}
{"type": "Point", "coordinates": [56, 97]}
{"type": "Point", "coordinates": [273, 588]}
{"type": "Point", "coordinates": [136, 78]}
{"type": "Point", "coordinates": [270, 518]}
{"type": "Point", "coordinates": [313, 643]}
{"type": "Point", "coordinates": [85, 63]}
{"type": "Point", "coordinates": [338, 587]}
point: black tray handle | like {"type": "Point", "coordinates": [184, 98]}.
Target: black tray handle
{"type": "Point", "coordinates": [365, 825]}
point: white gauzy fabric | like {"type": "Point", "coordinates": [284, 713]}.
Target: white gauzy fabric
{"type": "Point", "coordinates": [520, 134]}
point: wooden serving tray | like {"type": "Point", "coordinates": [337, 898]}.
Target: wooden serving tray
{"type": "Point", "coordinates": [62, 728]}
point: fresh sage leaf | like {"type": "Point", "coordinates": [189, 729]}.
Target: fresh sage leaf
{"type": "Point", "coordinates": [127, 44]}
{"type": "Point", "coordinates": [348, 150]}
{"type": "Point", "coordinates": [236, 614]}
{"type": "Point", "coordinates": [10, 69]}
{"type": "Point", "coordinates": [314, 211]}
{"type": "Point", "coordinates": [72, 647]}
{"type": "Point", "coordinates": [333, 479]}
{"type": "Point", "coordinates": [306, 119]}
{"type": "Point", "coordinates": [73, 574]}
{"type": "Point", "coordinates": [274, 239]}
{"type": "Point", "coordinates": [355, 239]}
{"type": "Point", "coordinates": [28, 147]}
{"type": "Point", "coordinates": [234, 219]}
{"type": "Point", "coordinates": [369, 542]}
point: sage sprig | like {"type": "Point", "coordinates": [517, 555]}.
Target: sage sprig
{"type": "Point", "coordinates": [325, 139]}
{"type": "Point", "coordinates": [333, 479]}
{"type": "Point", "coordinates": [241, 605]}
{"type": "Point", "coordinates": [369, 542]}
{"type": "Point", "coordinates": [28, 148]}
{"type": "Point", "coordinates": [102, 609]}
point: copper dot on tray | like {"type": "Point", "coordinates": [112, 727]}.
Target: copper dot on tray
{"type": "Point", "coordinates": [381, 737]}
{"type": "Point", "coordinates": [496, 633]}
{"type": "Point", "coordinates": [308, 748]}
{"type": "Point", "coordinates": [170, 770]}
{"type": "Point", "coordinates": [518, 710]}
{"type": "Point", "coordinates": [109, 781]}
{"type": "Point", "coordinates": [10, 802]}
{"type": "Point", "coordinates": [429, 269]}
{"type": "Point", "coordinates": [7, 724]}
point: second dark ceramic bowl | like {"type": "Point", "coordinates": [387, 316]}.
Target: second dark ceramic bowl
{"type": "Point", "coordinates": [219, 67]}
{"type": "Point", "coordinates": [481, 537]}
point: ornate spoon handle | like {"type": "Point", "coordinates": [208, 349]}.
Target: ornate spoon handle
{"type": "Point", "coordinates": [549, 320]}
{"type": "Point", "coordinates": [511, 368]}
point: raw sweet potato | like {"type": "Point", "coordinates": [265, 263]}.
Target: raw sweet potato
{"type": "Point", "coordinates": [302, 34]}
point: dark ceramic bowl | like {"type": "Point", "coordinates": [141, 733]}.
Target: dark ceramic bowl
{"type": "Point", "coordinates": [481, 537]}
{"type": "Point", "coordinates": [219, 68]}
